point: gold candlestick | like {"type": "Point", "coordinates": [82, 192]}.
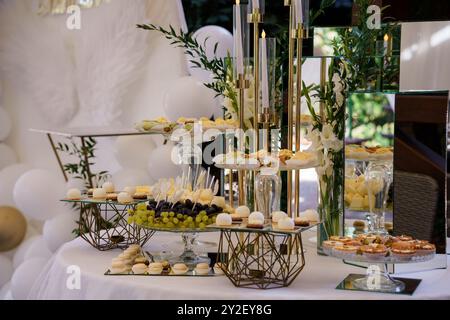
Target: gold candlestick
{"type": "Point", "coordinates": [298, 34]}
{"type": "Point", "coordinates": [256, 18]}
{"type": "Point", "coordinates": [290, 105]}
{"type": "Point", "coordinates": [241, 84]}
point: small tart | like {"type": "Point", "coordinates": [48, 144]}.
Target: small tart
{"type": "Point", "coordinates": [141, 259]}
{"type": "Point", "coordinates": [403, 245]}
{"type": "Point", "coordinates": [341, 239]}
{"type": "Point", "coordinates": [331, 243]}
{"type": "Point", "coordinates": [374, 250]}
{"type": "Point", "coordinates": [404, 238]}
{"type": "Point", "coordinates": [403, 253]}
{"type": "Point", "coordinates": [346, 249]}
{"type": "Point", "coordinates": [425, 248]}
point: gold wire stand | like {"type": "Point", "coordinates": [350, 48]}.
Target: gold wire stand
{"type": "Point", "coordinates": [261, 260]}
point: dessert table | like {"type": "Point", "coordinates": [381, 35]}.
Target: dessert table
{"type": "Point", "coordinates": [317, 281]}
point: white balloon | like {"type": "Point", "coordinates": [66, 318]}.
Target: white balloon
{"type": "Point", "coordinates": [133, 151]}
{"type": "Point", "coordinates": [58, 230]}
{"type": "Point", "coordinates": [8, 178]}
{"type": "Point", "coordinates": [19, 255]}
{"type": "Point", "coordinates": [5, 291]}
{"type": "Point", "coordinates": [37, 194]}
{"type": "Point", "coordinates": [75, 183]}
{"type": "Point", "coordinates": [5, 124]}
{"type": "Point", "coordinates": [24, 277]}
{"type": "Point", "coordinates": [6, 270]}
{"type": "Point", "coordinates": [130, 177]}
{"type": "Point", "coordinates": [7, 156]}
{"type": "Point", "coordinates": [161, 163]}
{"type": "Point", "coordinates": [207, 37]}
{"type": "Point", "coordinates": [190, 98]}
{"type": "Point", "coordinates": [38, 249]}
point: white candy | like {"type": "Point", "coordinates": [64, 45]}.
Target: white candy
{"type": "Point", "coordinates": [286, 224]}
{"type": "Point", "coordinates": [99, 193]}
{"type": "Point", "coordinates": [73, 194]}
{"type": "Point", "coordinates": [278, 215]}
{"type": "Point", "coordinates": [311, 215]}
{"type": "Point", "coordinates": [224, 219]}
{"type": "Point", "coordinates": [243, 211]}
{"type": "Point", "coordinates": [256, 217]}
{"type": "Point", "coordinates": [124, 197]}
{"type": "Point", "coordinates": [108, 186]}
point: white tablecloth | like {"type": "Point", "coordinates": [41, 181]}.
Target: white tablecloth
{"type": "Point", "coordinates": [318, 280]}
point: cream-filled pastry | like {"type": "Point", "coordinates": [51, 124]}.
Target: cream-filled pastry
{"type": "Point", "coordinates": [180, 268]}
{"type": "Point", "coordinates": [99, 194]}
{"type": "Point", "coordinates": [218, 268]}
{"type": "Point", "coordinates": [73, 194]}
{"type": "Point", "coordinates": [139, 268]}
{"type": "Point", "coordinates": [202, 268]}
{"type": "Point", "coordinates": [109, 187]}
{"type": "Point", "coordinates": [224, 219]}
{"type": "Point", "coordinates": [278, 215]}
{"type": "Point", "coordinates": [155, 268]}
{"type": "Point", "coordinates": [286, 223]}
{"type": "Point", "coordinates": [242, 211]}
{"type": "Point", "coordinates": [124, 198]}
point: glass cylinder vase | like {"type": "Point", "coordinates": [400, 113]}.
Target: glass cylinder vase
{"type": "Point", "coordinates": [330, 200]}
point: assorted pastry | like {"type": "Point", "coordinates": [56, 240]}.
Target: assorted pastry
{"type": "Point", "coordinates": [160, 125]}
{"type": "Point", "coordinates": [376, 247]}
{"type": "Point", "coordinates": [107, 192]}
{"type": "Point", "coordinates": [285, 159]}
{"type": "Point", "coordinates": [132, 261]}
{"type": "Point", "coordinates": [358, 152]}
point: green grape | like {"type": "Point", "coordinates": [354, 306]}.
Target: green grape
{"type": "Point", "coordinates": [198, 219]}
{"type": "Point", "coordinates": [190, 219]}
{"type": "Point", "coordinates": [152, 213]}
{"type": "Point", "coordinates": [144, 219]}
{"type": "Point", "coordinates": [170, 225]}
{"type": "Point", "coordinates": [185, 216]}
{"type": "Point", "coordinates": [171, 214]}
{"type": "Point", "coordinates": [141, 206]}
{"type": "Point", "coordinates": [205, 218]}
{"type": "Point", "coordinates": [164, 214]}
{"type": "Point", "coordinates": [191, 225]}
{"type": "Point", "coordinates": [202, 225]}
{"type": "Point", "coordinates": [130, 220]}
{"type": "Point", "coordinates": [138, 220]}
{"type": "Point", "coordinates": [180, 216]}
{"type": "Point", "coordinates": [175, 221]}
{"type": "Point", "coordinates": [165, 220]}
{"type": "Point", "coordinates": [130, 212]}
{"type": "Point", "coordinates": [202, 213]}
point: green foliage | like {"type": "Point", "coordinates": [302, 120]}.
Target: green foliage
{"type": "Point", "coordinates": [79, 169]}
{"type": "Point", "coordinates": [370, 119]}
{"type": "Point", "coordinates": [220, 68]}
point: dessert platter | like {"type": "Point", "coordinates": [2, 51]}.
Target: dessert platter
{"type": "Point", "coordinates": [243, 220]}
{"type": "Point", "coordinates": [183, 206]}
{"type": "Point", "coordinates": [165, 126]}
{"type": "Point", "coordinates": [362, 153]}
{"type": "Point", "coordinates": [283, 160]}
{"type": "Point", "coordinates": [379, 250]}
{"type": "Point", "coordinates": [103, 215]}
{"type": "Point", "coordinates": [134, 261]}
